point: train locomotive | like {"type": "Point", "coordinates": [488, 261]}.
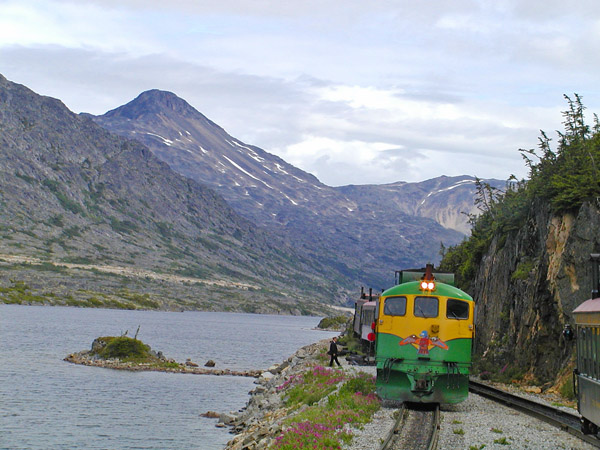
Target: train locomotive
{"type": "Point", "coordinates": [587, 371]}
{"type": "Point", "coordinates": [424, 328]}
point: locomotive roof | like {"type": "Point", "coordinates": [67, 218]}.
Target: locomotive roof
{"type": "Point", "coordinates": [592, 305]}
{"type": "Point", "coordinates": [413, 288]}
{"type": "Point", "coordinates": [588, 313]}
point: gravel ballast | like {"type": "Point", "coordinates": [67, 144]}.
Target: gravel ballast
{"type": "Point", "coordinates": [476, 423]}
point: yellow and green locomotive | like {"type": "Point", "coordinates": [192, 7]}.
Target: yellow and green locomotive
{"type": "Point", "coordinates": [424, 331]}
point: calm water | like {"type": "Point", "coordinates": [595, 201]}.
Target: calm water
{"type": "Point", "coordinates": [46, 403]}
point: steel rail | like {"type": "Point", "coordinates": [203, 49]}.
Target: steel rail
{"type": "Point", "coordinates": [561, 419]}
{"type": "Point", "coordinates": [396, 428]}
{"type": "Point", "coordinates": [396, 440]}
{"type": "Point", "coordinates": [435, 432]}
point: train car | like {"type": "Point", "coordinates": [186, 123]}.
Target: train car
{"type": "Point", "coordinates": [587, 371]}
{"type": "Point", "coordinates": [424, 331]}
{"type": "Point", "coordinates": [364, 313]}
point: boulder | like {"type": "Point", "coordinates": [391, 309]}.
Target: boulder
{"type": "Point", "coordinates": [227, 419]}
{"type": "Point", "coordinates": [210, 363]}
{"type": "Point", "coordinates": [266, 375]}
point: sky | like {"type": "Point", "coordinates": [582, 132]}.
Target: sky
{"type": "Point", "coordinates": [352, 91]}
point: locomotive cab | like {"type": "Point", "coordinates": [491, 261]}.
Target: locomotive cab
{"type": "Point", "coordinates": [423, 347]}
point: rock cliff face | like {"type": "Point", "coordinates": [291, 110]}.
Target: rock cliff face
{"type": "Point", "coordinates": [527, 287]}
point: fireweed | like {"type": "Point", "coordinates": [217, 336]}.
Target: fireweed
{"type": "Point", "coordinates": [327, 426]}
{"type": "Point", "coordinates": [311, 386]}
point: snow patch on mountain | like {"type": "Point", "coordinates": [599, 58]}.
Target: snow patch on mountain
{"type": "Point", "coordinates": [247, 173]}
{"type": "Point", "coordinates": [454, 186]}
{"type": "Point", "coordinates": [165, 140]}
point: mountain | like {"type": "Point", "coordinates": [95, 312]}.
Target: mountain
{"type": "Point", "coordinates": [447, 200]}
{"type": "Point", "coordinates": [90, 218]}
{"type": "Point", "coordinates": [365, 232]}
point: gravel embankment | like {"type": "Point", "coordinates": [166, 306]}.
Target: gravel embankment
{"type": "Point", "coordinates": [475, 424]}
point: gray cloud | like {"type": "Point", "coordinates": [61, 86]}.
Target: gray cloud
{"type": "Point", "coordinates": [352, 91]}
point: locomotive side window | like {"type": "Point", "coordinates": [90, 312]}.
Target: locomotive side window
{"type": "Point", "coordinates": [457, 309]}
{"type": "Point", "coordinates": [594, 356]}
{"type": "Point", "coordinates": [587, 348]}
{"type": "Point", "coordinates": [426, 307]}
{"type": "Point", "coordinates": [395, 306]}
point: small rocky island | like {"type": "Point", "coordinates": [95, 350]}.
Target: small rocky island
{"type": "Point", "coordinates": [126, 353]}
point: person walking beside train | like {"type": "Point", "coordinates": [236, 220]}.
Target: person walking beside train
{"type": "Point", "coordinates": [333, 352]}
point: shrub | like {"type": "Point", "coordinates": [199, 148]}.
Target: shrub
{"type": "Point", "coordinates": [337, 322]}
{"type": "Point", "coordinates": [124, 348]}
{"type": "Point", "coordinates": [363, 383]}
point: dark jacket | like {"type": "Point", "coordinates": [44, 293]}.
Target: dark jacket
{"type": "Point", "coordinates": [333, 350]}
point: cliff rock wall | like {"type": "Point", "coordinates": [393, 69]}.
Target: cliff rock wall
{"type": "Point", "coordinates": [527, 287]}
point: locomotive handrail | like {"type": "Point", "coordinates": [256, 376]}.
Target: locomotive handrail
{"type": "Point", "coordinates": [387, 367]}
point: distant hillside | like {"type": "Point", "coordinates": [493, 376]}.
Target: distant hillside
{"type": "Point", "coordinates": [73, 193]}
{"type": "Point", "coordinates": [446, 200]}
{"type": "Point", "coordinates": [364, 232]}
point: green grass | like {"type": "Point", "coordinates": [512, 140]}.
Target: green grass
{"type": "Point", "coordinates": [322, 425]}
{"type": "Point", "coordinates": [311, 386]}
{"type": "Point", "coordinates": [567, 390]}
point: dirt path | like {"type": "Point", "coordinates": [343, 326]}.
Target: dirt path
{"type": "Point", "coordinates": [130, 272]}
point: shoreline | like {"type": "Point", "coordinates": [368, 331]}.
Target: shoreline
{"type": "Point", "coordinates": [82, 358]}
{"type": "Point", "coordinates": [258, 423]}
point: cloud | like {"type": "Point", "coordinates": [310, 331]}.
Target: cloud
{"type": "Point", "coordinates": [351, 91]}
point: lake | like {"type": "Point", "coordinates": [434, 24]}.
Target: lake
{"type": "Point", "coordinates": [46, 403]}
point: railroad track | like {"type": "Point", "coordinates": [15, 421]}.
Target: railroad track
{"type": "Point", "coordinates": [564, 420]}
{"type": "Point", "coordinates": [416, 428]}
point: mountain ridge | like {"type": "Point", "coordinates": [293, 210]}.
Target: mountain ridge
{"type": "Point", "coordinates": [358, 224]}
{"type": "Point", "coordinates": [72, 192]}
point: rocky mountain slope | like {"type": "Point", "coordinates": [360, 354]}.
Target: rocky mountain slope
{"type": "Point", "coordinates": [365, 232]}
{"type": "Point", "coordinates": [446, 200]}
{"type": "Point", "coordinates": [72, 192]}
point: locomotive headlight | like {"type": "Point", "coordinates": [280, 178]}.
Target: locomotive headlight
{"type": "Point", "coordinates": [427, 285]}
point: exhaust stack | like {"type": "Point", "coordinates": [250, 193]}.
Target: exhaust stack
{"type": "Point", "coordinates": [595, 259]}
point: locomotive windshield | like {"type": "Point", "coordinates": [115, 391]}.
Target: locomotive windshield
{"type": "Point", "coordinates": [457, 309]}
{"type": "Point", "coordinates": [395, 306]}
{"type": "Point", "coordinates": [426, 307]}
